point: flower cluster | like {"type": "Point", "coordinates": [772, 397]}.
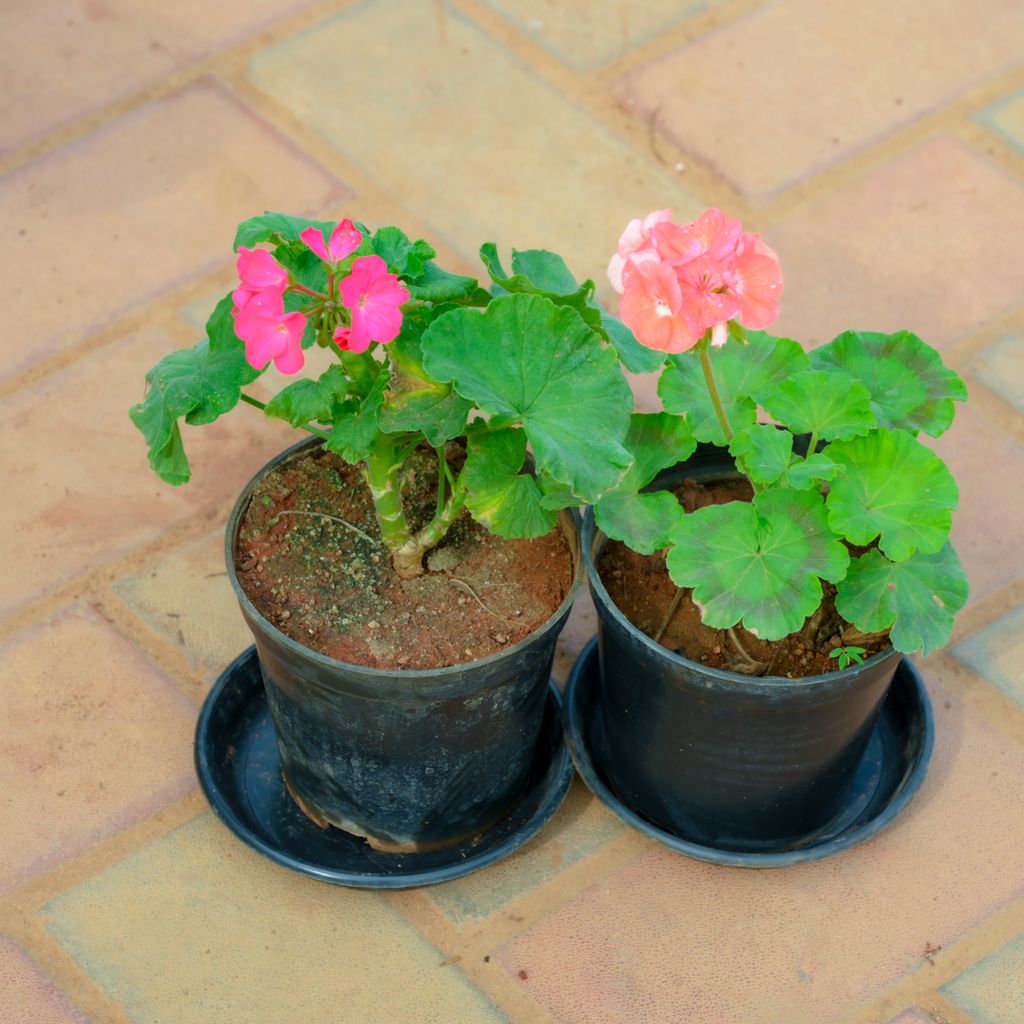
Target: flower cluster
{"type": "Point", "coordinates": [679, 282]}
{"type": "Point", "coordinates": [364, 305]}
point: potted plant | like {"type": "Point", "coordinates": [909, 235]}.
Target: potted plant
{"type": "Point", "coordinates": [405, 570]}
{"type": "Point", "coordinates": [779, 544]}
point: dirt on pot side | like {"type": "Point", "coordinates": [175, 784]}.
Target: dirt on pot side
{"type": "Point", "coordinates": [643, 591]}
{"type": "Point", "coordinates": [310, 558]}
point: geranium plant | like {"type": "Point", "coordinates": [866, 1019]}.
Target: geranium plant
{"type": "Point", "coordinates": [844, 489]}
{"type": "Point", "coordinates": [424, 357]}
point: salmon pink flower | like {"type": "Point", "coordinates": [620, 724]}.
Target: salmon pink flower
{"type": "Point", "coordinates": [270, 333]}
{"type": "Point", "coordinates": [704, 285]}
{"type": "Point", "coordinates": [712, 234]}
{"type": "Point", "coordinates": [257, 270]}
{"type": "Point", "coordinates": [652, 308]}
{"type": "Point", "coordinates": [374, 297]}
{"type": "Point", "coordinates": [637, 242]}
{"type": "Point", "coordinates": [756, 282]}
{"type": "Point", "coordinates": [344, 240]}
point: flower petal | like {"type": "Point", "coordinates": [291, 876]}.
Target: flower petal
{"type": "Point", "coordinates": [314, 239]}
{"type": "Point", "coordinates": [257, 268]}
{"type": "Point", "coordinates": [345, 239]}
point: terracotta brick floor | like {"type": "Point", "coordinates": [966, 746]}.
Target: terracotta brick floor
{"type": "Point", "coordinates": [879, 146]}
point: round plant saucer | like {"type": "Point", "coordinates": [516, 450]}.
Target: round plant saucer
{"type": "Point", "coordinates": [239, 769]}
{"type": "Point", "coordinates": [890, 772]}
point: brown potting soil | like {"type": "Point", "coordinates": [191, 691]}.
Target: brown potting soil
{"type": "Point", "coordinates": [643, 591]}
{"type": "Point", "coordinates": [310, 557]}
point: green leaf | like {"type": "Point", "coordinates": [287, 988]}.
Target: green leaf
{"type": "Point", "coordinates": [505, 500]}
{"type": "Point", "coordinates": [419, 404]}
{"type": "Point", "coordinates": [644, 521]}
{"type": "Point", "coordinates": [199, 384]}
{"type": "Point", "coordinates": [918, 598]}
{"type": "Point", "coordinates": [526, 360]}
{"type": "Point", "coordinates": [415, 401]}
{"type": "Point", "coordinates": [436, 285]}
{"type": "Point", "coordinates": [811, 472]}
{"type": "Point", "coordinates": [743, 372]}
{"type": "Point", "coordinates": [762, 452]}
{"type": "Point", "coordinates": [892, 488]}
{"type": "Point", "coordinates": [268, 225]}
{"type": "Point", "coordinates": [758, 561]}
{"type": "Point", "coordinates": [910, 387]}
{"type": "Point", "coordinates": [828, 405]}
{"type": "Point", "coordinates": [539, 272]}
{"type": "Point", "coordinates": [402, 256]}
{"type": "Point", "coordinates": [555, 495]}
{"type": "Point", "coordinates": [310, 401]}
{"type": "Point", "coordinates": [306, 267]}
{"type": "Point", "coordinates": [635, 357]}
{"type": "Point", "coordinates": [656, 440]}
{"type": "Point", "coordinates": [355, 424]}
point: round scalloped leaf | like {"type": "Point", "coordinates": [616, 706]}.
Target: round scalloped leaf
{"type": "Point", "coordinates": [828, 405]}
{"type": "Point", "coordinates": [656, 440]}
{"type": "Point", "coordinates": [762, 452]}
{"type": "Point", "coordinates": [505, 500]}
{"type": "Point", "coordinates": [643, 522]}
{"type": "Point", "coordinates": [811, 471]}
{"type": "Point", "coordinates": [910, 387]}
{"type": "Point", "coordinates": [918, 598]}
{"type": "Point", "coordinates": [743, 372]}
{"type": "Point", "coordinates": [526, 360]}
{"type": "Point", "coordinates": [893, 488]}
{"type": "Point", "coordinates": [760, 562]}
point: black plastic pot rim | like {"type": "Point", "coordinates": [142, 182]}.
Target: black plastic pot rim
{"type": "Point", "coordinates": [592, 536]}
{"type": "Point", "coordinates": [373, 675]}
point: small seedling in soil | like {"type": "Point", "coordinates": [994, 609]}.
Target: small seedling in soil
{"type": "Point", "coordinates": [846, 655]}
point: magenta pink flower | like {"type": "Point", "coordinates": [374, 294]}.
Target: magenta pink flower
{"type": "Point", "coordinates": [637, 242]}
{"type": "Point", "coordinates": [270, 333]}
{"type": "Point", "coordinates": [344, 241]}
{"type": "Point", "coordinates": [257, 270]}
{"type": "Point", "coordinates": [374, 297]}
{"type": "Point", "coordinates": [652, 308]}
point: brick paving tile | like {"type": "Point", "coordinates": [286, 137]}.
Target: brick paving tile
{"type": "Point", "coordinates": [186, 597]}
{"type": "Point", "coordinates": [1000, 366]}
{"type": "Point", "coordinates": [993, 991]}
{"type": "Point", "coordinates": [125, 213]}
{"type": "Point", "coordinates": [665, 938]}
{"type": "Point", "coordinates": [997, 653]}
{"type": "Point", "coordinates": [784, 92]}
{"type": "Point", "coordinates": [570, 31]}
{"type": "Point", "coordinates": [27, 996]}
{"type": "Point", "coordinates": [980, 457]}
{"type": "Point", "coordinates": [106, 51]}
{"type": "Point", "coordinates": [223, 935]}
{"type": "Point", "coordinates": [875, 255]}
{"type": "Point", "coordinates": [561, 181]}
{"type": "Point", "coordinates": [580, 827]}
{"type": "Point", "coordinates": [90, 495]}
{"type": "Point", "coordinates": [1007, 118]}
{"type": "Point", "coordinates": [95, 740]}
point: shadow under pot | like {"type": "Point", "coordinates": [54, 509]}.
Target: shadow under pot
{"type": "Point", "coordinates": [725, 759]}
{"type": "Point", "coordinates": [410, 759]}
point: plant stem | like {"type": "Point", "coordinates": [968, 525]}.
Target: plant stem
{"type": "Point", "coordinates": [716, 401]}
{"type": "Point", "coordinates": [811, 445]}
{"type": "Point", "coordinates": [382, 479]}
{"type": "Point", "coordinates": [303, 290]}
{"type": "Point", "coordinates": [256, 403]}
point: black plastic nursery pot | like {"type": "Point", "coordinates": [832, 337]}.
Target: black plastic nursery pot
{"type": "Point", "coordinates": [740, 763]}
{"type": "Point", "coordinates": [415, 759]}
